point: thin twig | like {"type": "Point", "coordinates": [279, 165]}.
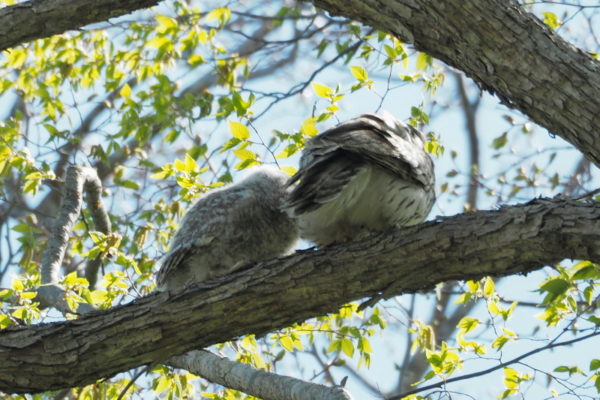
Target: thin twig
{"type": "Point", "coordinates": [550, 345]}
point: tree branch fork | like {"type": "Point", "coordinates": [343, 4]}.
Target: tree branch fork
{"type": "Point", "coordinates": [280, 292]}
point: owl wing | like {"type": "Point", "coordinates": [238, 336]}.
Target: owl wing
{"type": "Point", "coordinates": [205, 221]}
{"type": "Point", "coordinates": [179, 254]}
{"type": "Point", "coordinates": [383, 141]}
{"type": "Point", "coordinates": [333, 159]}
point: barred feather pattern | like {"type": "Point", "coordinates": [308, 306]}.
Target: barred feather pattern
{"type": "Point", "coordinates": [365, 175]}
{"type": "Point", "coordinates": [229, 228]}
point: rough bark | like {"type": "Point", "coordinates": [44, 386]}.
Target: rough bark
{"type": "Point", "coordinates": [280, 292]}
{"type": "Point", "coordinates": [37, 19]}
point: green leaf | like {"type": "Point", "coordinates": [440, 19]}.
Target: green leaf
{"type": "Point", "coordinates": [359, 73]}
{"type": "Point", "coordinates": [423, 61]}
{"type": "Point", "coordinates": [322, 90]}
{"type": "Point", "coordinates": [390, 51]}
{"type": "Point", "coordinates": [467, 324]}
{"type": "Point", "coordinates": [244, 154]}
{"type": "Point", "coordinates": [125, 91]}
{"type": "Point", "coordinates": [555, 286]}
{"type": "Point", "coordinates": [347, 347]}
{"type": "Point", "coordinates": [595, 320]}
{"type": "Point", "coordinates": [195, 60]}
{"type": "Point", "coordinates": [309, 127]}
{"type": "Point", "coordinates": [488, 287]}
{"type": "Point", "coordinates": [551, 20]}
{"type": "Point", "coordinates": [5, 321]}
{"type": "Point", "coordinates": [239, 130]}
{"type": "Point", "coordinates": [129, 184]}
{"type": "Point", "coordinates": [500, 141]}
{"type": "Point", "coordinates": [589, 272]}
{"type": "Point", "coordinates": [500, 341]}
{"type": "Point", "coordinates": [594, 364]}
{"type": "Point", "coordinates": [162, 384]}
{"type": "Point", "coordinates": [165, 22]}
{"type": "Point", "coordinates": [287, 343]}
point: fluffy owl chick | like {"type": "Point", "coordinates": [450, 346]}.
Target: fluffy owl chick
{"type": "Point", "coordinates": [368, 174]}
{"type": "Point", "coordinates": [228, 228]}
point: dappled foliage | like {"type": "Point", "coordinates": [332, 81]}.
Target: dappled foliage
{"type": "Point", "coordinates": [169, 103]}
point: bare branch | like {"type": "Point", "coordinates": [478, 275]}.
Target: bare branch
{"type": "Point", "coordinates": [93, 190]}
{"type": "Point", "coordinates": [470, 113]}
{"type": "Point", "coordinates": [76, 181]}
{"type": "Point", "coordinates": [258, 383]}
{"type": "Point", "coordinates": [550, 345]}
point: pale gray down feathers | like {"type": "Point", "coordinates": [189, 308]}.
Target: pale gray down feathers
{"type": "Point", "coordinates": [228, 228]}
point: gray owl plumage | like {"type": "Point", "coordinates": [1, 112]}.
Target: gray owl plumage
{"type": "Point", "coordinates": [368, 174]}
{"type": "Point", "coordinates": [228, 228]}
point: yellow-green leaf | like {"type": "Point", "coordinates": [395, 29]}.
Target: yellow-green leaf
{"type": "Point", "coordinates": [359, 73]}
{"type": "Point", "coordinates": [488, 287]}
{"type": "Point", "coordinates": [322, 90]}
{"type": "Point", "coordinates": [17, 284]}
{"type": "Point", "coordinates": [423, 61]}
{"type": "Point", "coordinates": [20, 313]}
{"type": "Point", "coordinates": [5, 321]}
{"type": "Point", "coordinates": [493, 307]}
{"type": "Point", "coordinates": [162, 384]}
{"type": "Point", "coordinates": [347, 347]}
{"type": "Point", "coordinates": [551, 20]}
{"type": "Point", "coordinates": [195, 60]}
{"type": "Point", "coordinates": [472, 286]}
{"type": "Point", "coordinates": [309, 127]}
{"type": "Point", "coordinates": [166, 22]}
{"type": "Point", "coordinates": [158, 42]}
{"type": "Point", "coordinates": [239, 130]}
{"type": "Point", "coordinates": [467, 324]}
{"type": "Point", "coordinates": [190, 163]}
{"type": "Point", "coordinates": [244, 154]}
{"type": "Point", "coordinates": [289, 170]}
{"type": "Point", "coordinates": [286, 343]}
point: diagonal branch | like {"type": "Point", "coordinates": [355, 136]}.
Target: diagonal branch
{"type": "Point", "coordinates": [258, 383]}
{"type": "Point", "coordinates": [35, 19]}
{"type": "Point", "coordinates": [278, 293]}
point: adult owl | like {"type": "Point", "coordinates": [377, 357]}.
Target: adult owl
{"type": "Point", "coordinates": [229, 228]}
{"type": "Point", "coordinates": [368, 174]}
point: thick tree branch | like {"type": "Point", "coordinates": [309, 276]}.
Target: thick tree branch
{"type": "Point", "coordinates": [504, 49]}
{"type": "Point", "coordinates": [280, 292]}
{"type": "Point", "coordinates": [263, 384]}
{"type": "Point", "coordinates": [37, 19]}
